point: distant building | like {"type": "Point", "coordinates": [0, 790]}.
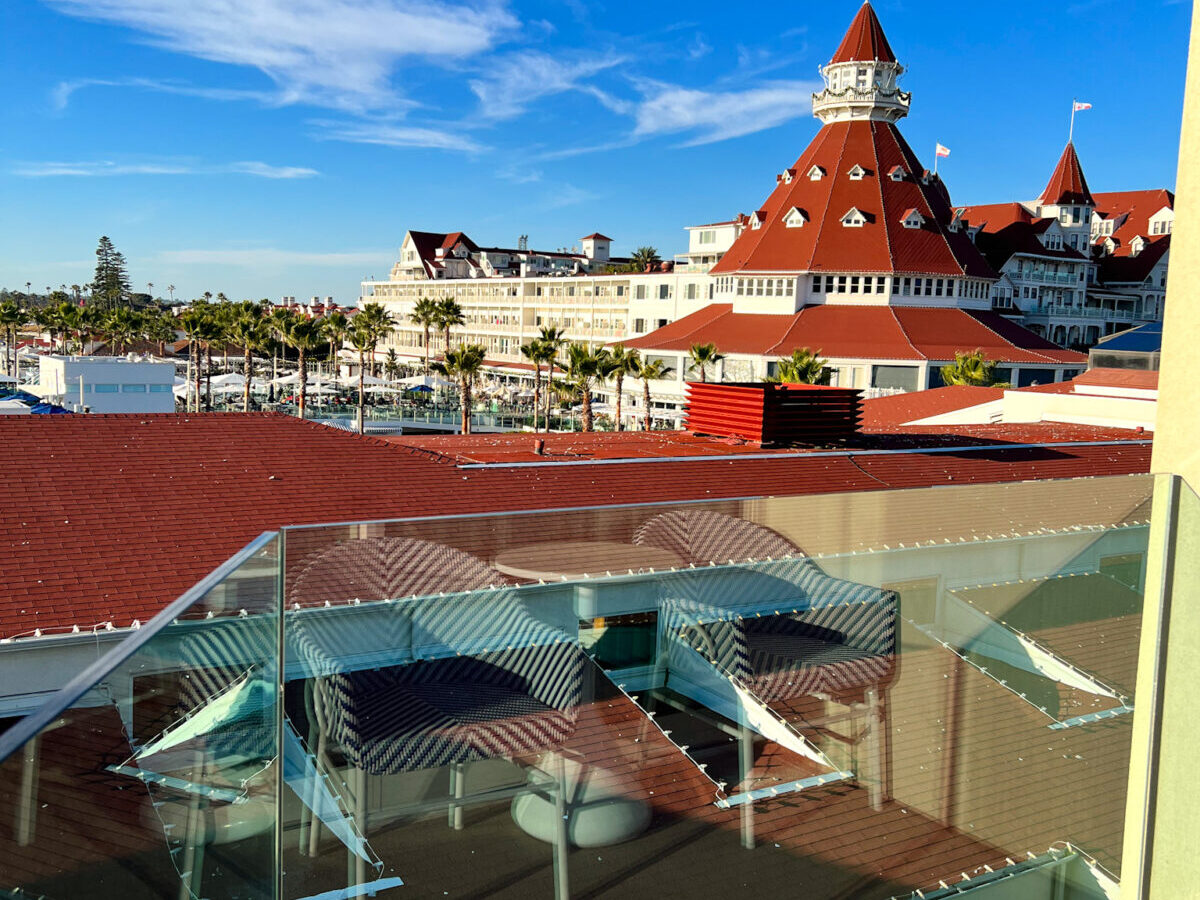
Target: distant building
{"type": "Point", "coordinates": [109, 384]}
{"type": "Point", "coordinates": [1076, 266]}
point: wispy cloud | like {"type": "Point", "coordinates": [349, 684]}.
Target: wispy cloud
{"type": "Point", "coordinates": [719, 115]}
{"type": "Point", "coordinates": [514, 81]}
{"type": "Point", "coordinates": [62, 93]}
{"type": "Point", "coordinates": [102, 168]}
{"type": "Point", "coordinates": [335, 53]}
{"type": "Point", "coordinates": [387, 134]}
{"type": "Point", "coordinates": [271, 257]}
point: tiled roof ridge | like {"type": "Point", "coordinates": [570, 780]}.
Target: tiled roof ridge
{"type": "Point", "coordinates": [985, 325]}
{"type": "Point", "coordinates": [884, 215]}
{"type": "Point", "coordinates": [904, 331]}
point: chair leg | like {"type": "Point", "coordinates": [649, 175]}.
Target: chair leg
{"type": "Point", "coordinates": [746, 765]}
{"type": "Point", "coordinates": [314, 832]}
{"type": "Point", "coordinates": [458, 789]}
{"type": "Point", "coordinates": [562, 889]}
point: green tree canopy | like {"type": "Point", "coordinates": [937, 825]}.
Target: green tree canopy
{"type": "Point", "coordinates": [110, 284]}
{"type": "Point", "coordinates": [971, 369]}
{"type": "Point", "coordinates": [802, 367]}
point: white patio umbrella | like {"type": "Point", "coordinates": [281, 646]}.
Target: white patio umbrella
{"type": "Point", "coordinates": [429, 381]}
{"type": "Point", "coordinates": [352, 380]}
{"type": "Point", "coordinates": [294, 379]}
{"type": "Point", "coordinates": [598, 409]}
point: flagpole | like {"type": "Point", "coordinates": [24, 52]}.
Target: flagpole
{"type": "Point", "coordinates": [936, 157]}
{"type": "Point", "coordinates": [1071, 133]}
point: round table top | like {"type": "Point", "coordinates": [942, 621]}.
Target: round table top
{"type": "Point", "coordinates": [576, 559]}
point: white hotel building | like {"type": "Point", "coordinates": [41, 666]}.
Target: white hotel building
{"type": "Point", "coordinates": [857, 253]}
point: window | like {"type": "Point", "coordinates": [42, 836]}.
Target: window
{"type": "Point", "coordinates": [816, 284]}
{"type": "Point", "coordinates": [857, 173]}
{"type": "Point", "coordinates": [816, 173]}
{"type": "Point", "coordinates": [133, 389]}
{"type": "Point", "coordinates": [639, 292]}
{"type": "Point", "coordinates": [664, 292]}
{"type": "Point", "coordinates": [107, 388]}
{"type": "Point", "coordinates": [795, 218]}
{"type": "Point", "coordinates": [620, 290]}
{"type": "Point", "coordinates": [708, 237]}
{"type": "Point", "coordinates": [853, 219]}
{"type": "Point", "coordinates": [691, 291]}
{"type": "Point", "coordinates": [639, 325]}
{"type": "Point", "coordinates": [662, 323]}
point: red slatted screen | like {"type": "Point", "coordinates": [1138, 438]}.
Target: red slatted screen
{"type": "Point", "coordinates": [774, 414]}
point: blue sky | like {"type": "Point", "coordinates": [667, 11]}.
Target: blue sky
{"type": "Point", "coordinates": [282, 147]}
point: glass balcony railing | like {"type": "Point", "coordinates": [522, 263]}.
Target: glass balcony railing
{"type": "Point", "coordinates": [866, 694]}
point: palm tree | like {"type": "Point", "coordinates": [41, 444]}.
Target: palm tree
{"type": "Point", "coordinates": [802, 367]}
{"type": "Point", "coordinates": [150, 289]}
{"type": "Point", "coordinates": [971, 369]}
{"type": "Point", "coordinates": [122, 325]}
{"type": "Point", "coordinates": [378, 323]}
{"type": "Point", "coordinates": [649, 371]}
{"type": "Point", "coordinates": [449, 315]}
{"type": "Point", "coordinates": [463, 364]}
{"type": "Point", "coordinates": [552, 339]}
{"type": "Point", "coordinates": [703, 356]}
{"type": "Point", "coordinates": [362, 339]}
{"type": "Point", "coordinates": [304, 336]}
{"type": "Point", "coordinates": [12, 317]}
{"type": "Point", "coordinates": [158, 327]}
{"type": "Point", "coordinates": [336, 327]}
{"type": "Point", "coordinates": [643, 257]}
{"type": "Point", "coordinates": [587, 368]}
{"type": "Point", "coordinates": [171, 292]}
{"type": "Point", "coordinates": [278, 321]}
{"type": "Point", "coordinates": [247, 331]}
{"type": "Point", "coordinates": [424, 314]}
{"type": "Point", "coordinates": [194, 323]}
{"type": "Point", "coordinates": [534, 351]}
{"type": "Point", "coordinates": [391, 365]}
{"type": "Point", "coordinates": [70, 320]}
{"type": "Point", "coordinates": [623, 362]}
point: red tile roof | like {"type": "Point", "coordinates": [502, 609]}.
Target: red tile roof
{"type": "Point", "coordinates": [883, 245]}
{"type": "Point", "coordinates": [180, 494]}
{"type": "Point", "coordinates": [595, 236]}
{"type": "Point", "coordinates": [1132, 211]}
{"type": "Point", "coordinates": [864, 40]}
{"type": "Point", "coordinates": [1067, 184]}
{"type": "Point", "coordinates": [994, 216]}
{"type": "Point", "coordinates": [847, 332]}
{"type": "Point", "coordinates": [882, 412]}
{"type": "Point", "coordinates": [1127, 378]}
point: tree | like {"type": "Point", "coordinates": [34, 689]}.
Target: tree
{"type": "Point", "coordinates": [171, 293]}
{"type": "Point", "coordinates": [587, 368]}
{"type": "Point", "coordinates": [362, 339]}
{"type": "Point", "coordinates": [391, 365]}
{"type": "Point", "coordinates": [622, 362]}
{"type": "Point", "coordinates": [193, 323]}
{"type": "Point", "coordinates": [449, 315]}
{"type": "Point", "coordinates": [122, 326]}
{"type": "Point", "coordinates": [463, 364]}
{"type": "Point", "coordinates": [304, 336]}
{"type": "Point", "coordinates": [278, 320]}
{"type": "Point", "coordinates": [12, 317]}
{"type": "Point", "coordinates": [110, 284]}
{"type": "Point", "coordinates": [248, 331]}
{"type": "Point", "coordinates": [702, 356]}
{"type": "Point", "coordinates": [424, 314]}
{"type": "Point", "coordinates": [534, 351]}
{"type": "Point", "coordinates": [971, 369]}
{"type": "Point", "coordinates": [158, 327]}
{"type": "Point", "coordinates": [649, 371]}
{"type": "Point", "coordinates": [802, 367]}
{"type": "Point", "coordinates": [642, 258]}
{"type": "Point", "coordinates": [552, 340]}
{"type": "Point", "coordinates": [378, 323]}
{"type": "Point", "coordinates": [336, 326]}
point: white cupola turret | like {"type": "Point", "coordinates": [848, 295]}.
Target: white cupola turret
{"type": "Point", "coordinates": [860, 80]}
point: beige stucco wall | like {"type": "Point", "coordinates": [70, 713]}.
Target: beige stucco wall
{"type": "Point", "coordinates": [1158, 859]}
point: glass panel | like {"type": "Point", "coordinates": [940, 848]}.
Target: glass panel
{"type": "Point", "coordinates": [154, 774]}
{"type": "Point", "coordinates": [878, 690]}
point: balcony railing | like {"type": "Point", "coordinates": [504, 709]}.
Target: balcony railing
{"type": "Point", "coordinates": [537, 704]}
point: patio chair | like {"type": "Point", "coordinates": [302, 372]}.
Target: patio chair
{"type": "Point", "coordinates": [774, 624]}
{"type": "Point", "coordinates": [400, 685]}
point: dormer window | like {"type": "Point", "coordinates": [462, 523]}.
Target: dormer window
{"type": "Point", "coordinates": [957, 221]}
{"type": "Point", "coordinates": [1137, 245]}
{"type": "Point", "coordinates": [816, 173]}
{"type": "Point", "coordinates": [896, 173]}
{"type": "Point", "coordinates": [857, 173]}
{"type": "Point", "coordinates": [795, 218]}
{"type": "Point", "coordinates": [926, 176]}
{"type": "Point", "coordinates": [854, 218]}
{"type": "Point", "coordinates": [756, 220]}
{"type": "Point", "coordinates": [912, 219]}
{"type": "Point", "coordinates": [787, 176]}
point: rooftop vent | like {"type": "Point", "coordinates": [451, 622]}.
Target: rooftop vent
{"type": "Point", "coordinates": [774, 414]}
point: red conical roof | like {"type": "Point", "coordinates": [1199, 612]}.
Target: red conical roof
{"type": "Point", "coordinates": [865, 40]}
{"type": "Point", "coordinates": [882, 245]}
{"type": "Point", "coordinates": [1067, 184]}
